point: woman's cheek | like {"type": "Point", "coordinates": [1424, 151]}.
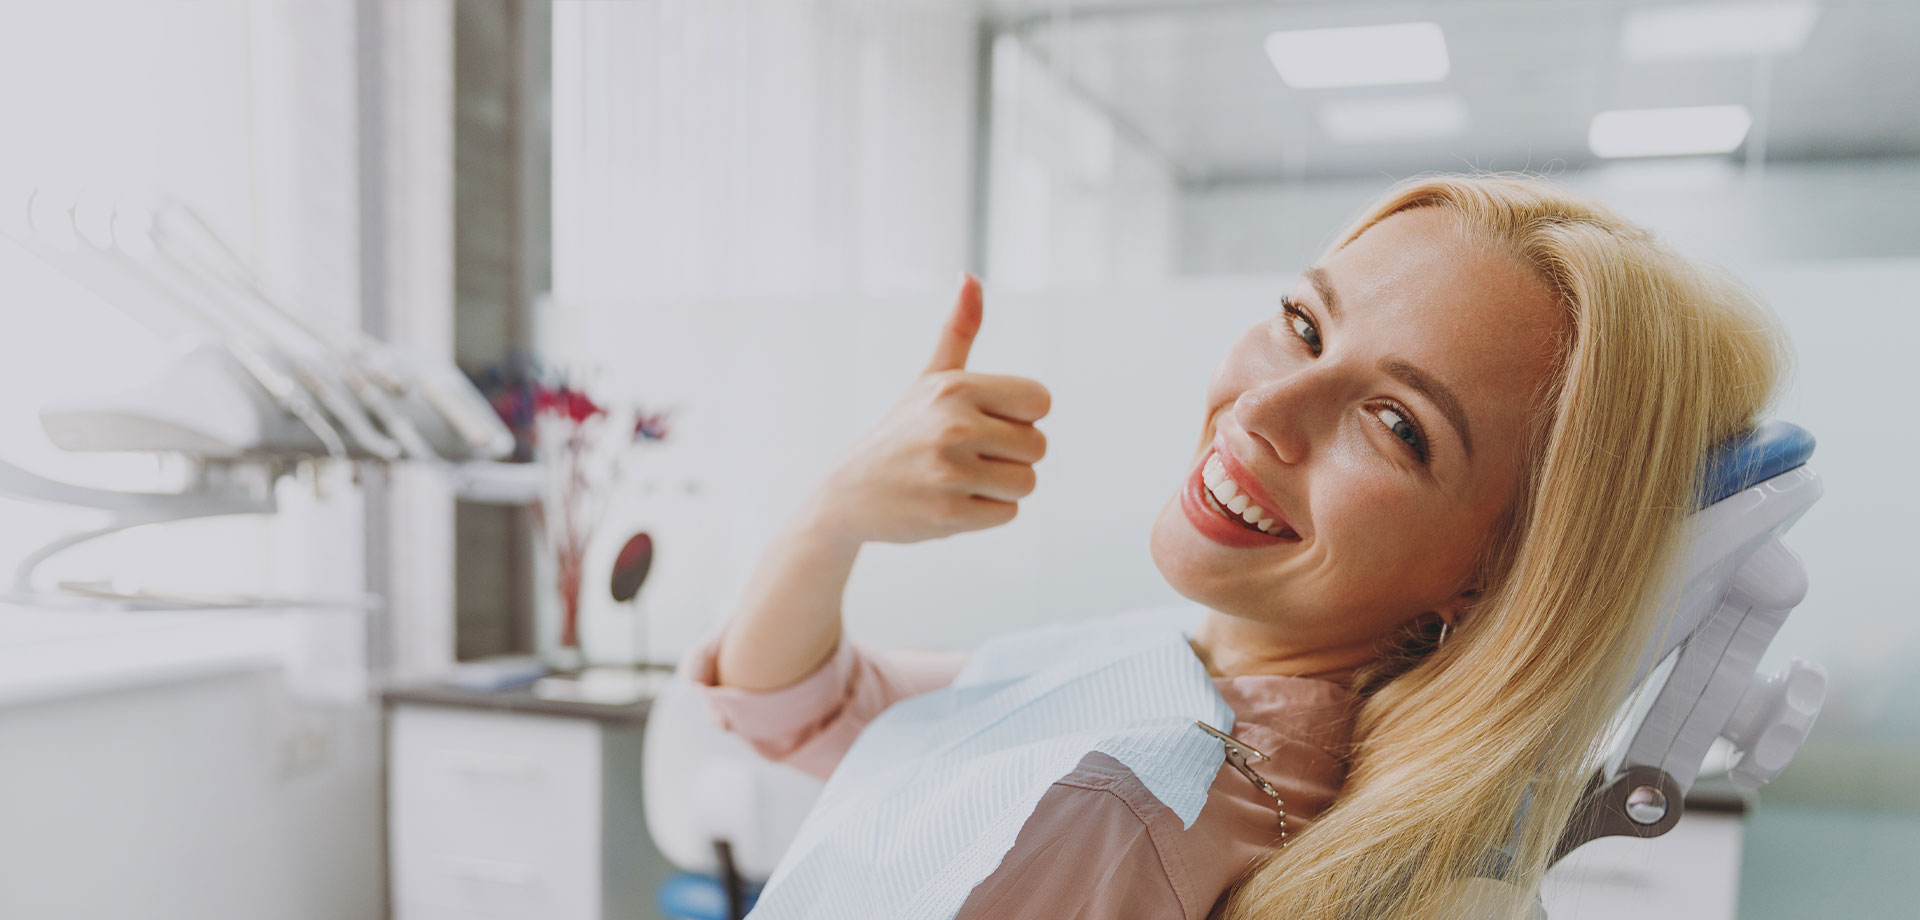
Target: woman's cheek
{"type": "Point", "coordinates": [1240, 370]}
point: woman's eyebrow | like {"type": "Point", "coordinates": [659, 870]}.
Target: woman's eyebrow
{"type": "Point", "coordinates": [1426, 384]}
{"type": "Point", "coordinates": [1430, 387]}
{"type": "Point", "coordinates": [1317, 276]}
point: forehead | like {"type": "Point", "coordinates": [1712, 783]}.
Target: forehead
{"type": "Point", "coordinates": [1420, 286]}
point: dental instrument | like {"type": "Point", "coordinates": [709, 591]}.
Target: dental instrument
{"type": "Point", "coordinates": [250, 391]}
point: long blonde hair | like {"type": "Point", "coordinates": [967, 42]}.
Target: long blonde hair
{"type": "Point", "coordinates": [1486, 742]}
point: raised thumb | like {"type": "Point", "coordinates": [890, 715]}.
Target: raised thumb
{"type": "Point", "coordinates": [956, 337]}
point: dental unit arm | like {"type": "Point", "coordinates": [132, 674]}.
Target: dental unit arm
{"type": "Point", "coordinates": [250, 391]}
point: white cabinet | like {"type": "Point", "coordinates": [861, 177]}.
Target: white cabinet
{"type": "Point", "coordinates": [516, 815]}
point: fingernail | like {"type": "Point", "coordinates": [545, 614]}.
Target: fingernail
{"type": "Point", "coordinates": [963, 279]}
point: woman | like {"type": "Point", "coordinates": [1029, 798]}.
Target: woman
{"type": "Point", "coordinates": [1455, 464]}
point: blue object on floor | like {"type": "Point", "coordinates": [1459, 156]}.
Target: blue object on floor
{"type": "Point", "coordinates": [698, 897]}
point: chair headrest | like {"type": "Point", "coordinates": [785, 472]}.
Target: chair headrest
{"type": "Point", "coordinates": [1746, 460]}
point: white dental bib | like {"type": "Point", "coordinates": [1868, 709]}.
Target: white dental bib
{"type": "Point", "coordinates": [934, 791]}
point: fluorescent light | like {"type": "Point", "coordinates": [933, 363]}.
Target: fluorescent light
{"type": "Point", "coordinates": [1669, 132]}
{"type": "Point", "coordinates": [1695, 31]}
{"type": "Point", "coordinates": [1359, 121]}
{"type": "Point", "coordinates": [1411, 52]}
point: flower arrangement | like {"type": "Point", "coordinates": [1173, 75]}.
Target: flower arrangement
{"type": "Point", "coordinates": [585, 446]}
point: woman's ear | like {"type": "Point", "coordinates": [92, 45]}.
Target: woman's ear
{"type": "Point", "coordinates": [1457, 606]}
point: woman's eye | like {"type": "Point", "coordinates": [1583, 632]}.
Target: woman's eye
{"type": "Point", "coordinates": [1404, 429]}
{"type": "Point", "coordinates": [1302, 326]}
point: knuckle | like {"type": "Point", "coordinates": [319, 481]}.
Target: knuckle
{"type": "Point", "coordinates": [952, 431]}
{"type": "Point", "coordinates": [951, 384]}
{"type": "Point", "coordinates": [948, 475]}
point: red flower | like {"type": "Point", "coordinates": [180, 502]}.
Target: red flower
{"type": "Point", "coordinates": [580, 408]}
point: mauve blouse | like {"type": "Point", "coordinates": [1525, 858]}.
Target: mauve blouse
{"type": "Point", "coordinates": [1098, 846]}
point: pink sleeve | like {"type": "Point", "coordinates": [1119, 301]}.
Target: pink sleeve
{"type": "Point", "coordinates": [810, 723]}
{"type": "Point", "coordinates": [1085, 854]}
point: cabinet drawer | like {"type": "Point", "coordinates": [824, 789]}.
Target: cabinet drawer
{"type": "Point", "coordinates": [498, 788]}
{"type": "Point", "coordinates": [441, 886]}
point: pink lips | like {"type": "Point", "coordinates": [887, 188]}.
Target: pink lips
{"type": "Point", "coordinates": [1243, 478]}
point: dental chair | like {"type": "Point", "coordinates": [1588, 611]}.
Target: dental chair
{"type": "Point", "coordinates": [723, 815]}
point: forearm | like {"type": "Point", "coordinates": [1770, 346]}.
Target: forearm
{"type": "Point", "coordinates": [788, 620]}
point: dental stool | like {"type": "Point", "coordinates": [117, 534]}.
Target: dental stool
{"type": "Point", "coordinates": [724, 815]}
{"type": "Point", "coordinates": [715, 808]}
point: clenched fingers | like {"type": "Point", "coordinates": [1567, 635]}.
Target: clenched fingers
{"type": "Point", "coordinates": [999, 439]}
{"type": "Point", "coordinates": [999, 479]}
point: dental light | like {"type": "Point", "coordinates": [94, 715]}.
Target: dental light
{"type": "Point", "coordinates": [253, 392]}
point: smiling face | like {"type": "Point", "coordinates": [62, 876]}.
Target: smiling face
{"type": "Point", "coordinates": [1380, 419]}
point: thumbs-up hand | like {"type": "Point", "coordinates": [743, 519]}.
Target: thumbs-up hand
{"type": "Point", "coordinates": [955, 453]}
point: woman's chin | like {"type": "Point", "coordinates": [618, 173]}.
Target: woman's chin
{"type": "Point", "coordinates": [1176, 552]}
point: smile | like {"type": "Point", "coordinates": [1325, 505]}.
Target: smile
{"type": "Point", "coordinates": [1200, 502]}
{"type": "Point", "coordinates": [1226, 497]}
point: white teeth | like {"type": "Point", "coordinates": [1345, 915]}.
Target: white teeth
{"type": "Point", "coordinates": [1230, 497]}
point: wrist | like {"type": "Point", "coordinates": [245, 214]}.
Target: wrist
{"type": "Point", "coordinates": [820, 522]}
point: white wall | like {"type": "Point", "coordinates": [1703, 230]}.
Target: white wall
{"type": "Point", "coordinates": [1852, 323]}
{"type": "Point", "coordinates": [759, 146]}
{"type": "Point", "coordinates": [1072, 201]}
{"type": "Point", "coordinates": [776, 148]}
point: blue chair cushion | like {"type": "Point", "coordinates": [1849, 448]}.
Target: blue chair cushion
{"type": "Point", "coordinates": [1744, 461]}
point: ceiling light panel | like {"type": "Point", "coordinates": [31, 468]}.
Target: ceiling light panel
{"type": "Point", "coordinates": [1409, 52]}
{"type": "Point", "coordinates": [1669, 132]}
{"type": "Point", "coordinates": [1699, 31]}
{"type": "Point", "coordinates": [1362, 121]}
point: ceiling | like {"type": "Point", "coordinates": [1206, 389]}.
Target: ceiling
{"type": "Point", "coordinates": [1190, 79]}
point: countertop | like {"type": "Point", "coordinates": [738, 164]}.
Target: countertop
{"type": "Point", "coordinates": [523, 700]}
{"type": "Point", "coordinates": [48, 654]}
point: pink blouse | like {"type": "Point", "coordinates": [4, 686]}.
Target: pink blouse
{"type": "Point", "coordinates": [1099, 846]}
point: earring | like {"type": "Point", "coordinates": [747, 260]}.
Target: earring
{"type": "Point", "coordinates": [1443, 634]}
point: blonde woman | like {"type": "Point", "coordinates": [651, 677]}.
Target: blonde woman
{"type": "Point", "coordinates": [1431, 502]}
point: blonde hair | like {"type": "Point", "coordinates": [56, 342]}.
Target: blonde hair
{"type": "Point", "coordinates": [1485, 744]}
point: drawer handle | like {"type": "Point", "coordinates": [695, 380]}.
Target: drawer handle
{"type": "Point", "coordinates": [497, 873]}
{"type": "Point", "coordinates": [495, 766]}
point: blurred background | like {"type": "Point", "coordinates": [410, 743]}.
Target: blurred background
{"type": "Point", "coordinates": [747, 217]}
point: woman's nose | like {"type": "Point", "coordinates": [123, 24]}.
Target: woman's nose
{"type": "Point", "coordinates": [1292, 413]}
